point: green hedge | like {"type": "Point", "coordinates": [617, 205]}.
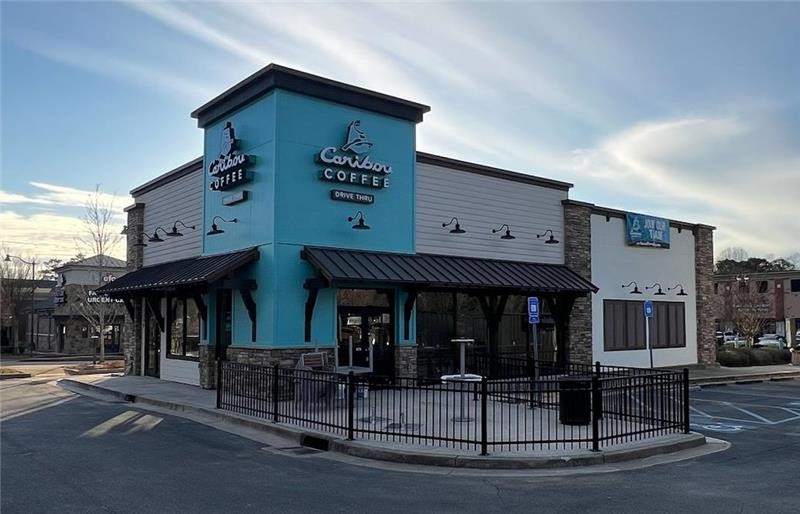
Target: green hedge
{"type": "Point", "coordinates": [738, 357]}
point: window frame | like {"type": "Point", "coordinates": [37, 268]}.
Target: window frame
{"type": "Point", "coordinates": [794, 285]}
{"type": "Point", "coordinates": [628, 314]}
{"type": "Point", "coordinates": [669, 325]}
{"type": "Point", "coordinates": [184, 328]}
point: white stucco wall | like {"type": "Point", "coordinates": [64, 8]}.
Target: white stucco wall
{"type": "Point", "coordinates": [614, 263]}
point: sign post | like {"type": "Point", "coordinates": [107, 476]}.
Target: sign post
{"type": "Point", "coordinates": [533, 320]}
{"type": "Point", "coordinates": [648, 315]}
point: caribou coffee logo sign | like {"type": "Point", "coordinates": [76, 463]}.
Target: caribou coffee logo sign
{"type": "Point", "coordinates": [231, 168]}
{"type": "Point", "coordinates": [351, 164]}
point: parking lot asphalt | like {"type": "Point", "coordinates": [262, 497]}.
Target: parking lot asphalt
{"type": "Point", "coordinates": [760, 408]}
{"type": "Point", "coordinates": [71, 453]}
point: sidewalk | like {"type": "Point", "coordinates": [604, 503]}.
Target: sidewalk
{"type": "Point", "coordinates": [191, 400]}
{"type": "Point", "coordinates": [722, 375]}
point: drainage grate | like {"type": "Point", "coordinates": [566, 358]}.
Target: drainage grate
{"type": "Point", "coordinates": [299, 451]}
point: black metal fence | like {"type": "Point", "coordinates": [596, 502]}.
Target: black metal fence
{"type": "Point", "coordinates": [579, 406]}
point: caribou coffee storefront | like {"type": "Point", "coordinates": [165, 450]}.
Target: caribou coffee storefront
{"type": "Point", "coordinates": [311, 224]}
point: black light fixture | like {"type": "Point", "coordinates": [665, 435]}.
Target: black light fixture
{"type": "Point", "coordinates": [657, 293]}
{"type": "Point", "coordinates": [635, 287]}
{"type": "Point", "coordinates": [676, 286]}
{"type": "Point", "coordinates": [551, 240]}
{"type": "Point", "coordinates": [154, 238]}
{"type": "Point", "coordinates": [140, 241]}
{"type": "Point", "coordinates": [507, 235]}
{"type": "Point", "coordinates": [457, 229]}
{"type": "Point", "coordinates": [124, 230]}
{"type": "Point", "coordinates": [361, 225]}
{"type": "Point", "coordinates": [174, 232]}
{"type": "Point", "coordinates": [215, 229]}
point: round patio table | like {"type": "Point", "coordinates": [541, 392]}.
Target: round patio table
{"type": "Point", "coordinates": [463, 379]}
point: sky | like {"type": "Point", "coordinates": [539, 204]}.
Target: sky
{"type": "Point", "coordinates": [689, 111]}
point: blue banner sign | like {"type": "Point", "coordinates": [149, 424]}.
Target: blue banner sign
{"type": "Point", "coordinates": [644, 230]}
{"type": "Point", "coordinates": [533, 310]}
{"type": "Point", "coordinates": [648, 309]}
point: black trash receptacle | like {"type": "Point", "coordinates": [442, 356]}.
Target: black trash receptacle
{"type": "Point", "coordinates": [575, 400]}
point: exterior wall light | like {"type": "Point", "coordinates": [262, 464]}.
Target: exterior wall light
{"type": "Point", "coordinates": [215, 229]}
{"type": "Point", "coordinates": [659, 292]}
{"type": "Point", "coordinates": [635, 287]}
{"type": "Point", "coordinates": [457, 229]}
{"type": "Point", "coordinates": [361, 225]}
{"type": "Point", "coordinates": [551, 240]}
{"type": "Point", "coordinates": [150, 239]}
{"type": "Point", "coordinates": [676, 286]}
{"type": "Point", "coordinates": [507, 235]}
{"type": "Point", "coordinates": [174, 232]}
{"type": "Point", "coordinates": [124, 230]}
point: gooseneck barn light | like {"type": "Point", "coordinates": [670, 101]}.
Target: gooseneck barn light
{"type": "Point", "coordinates": [455, 230]}
{"type": "Point", "coordinates": [174, 232]}
{"type": "Point", "coordinates": [551, 240]}
{"type": "Point", "coordinates": [150, 239]}
{"type": "Point", "coordinates": [507, 235]}
{"type": "Point", "coordinates": [215, 229]}
{"type": "Point", "coordinates": [361, 225]}
{"type": "Point", "coordinates": [676, 286]}
{"type": "Point", "coordinates": [635, 287]}
{"type": "Point", "coordinates": [657, 293]}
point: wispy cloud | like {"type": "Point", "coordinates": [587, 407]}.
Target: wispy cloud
{"type": "Point", "coordinates": [123, 68]}
{"type": "Point", "coordinates": [55, 195]}
{"type": "Point", "coordinates": [45, 235]}
{"type": "Point", "coordinates": [728, 172]}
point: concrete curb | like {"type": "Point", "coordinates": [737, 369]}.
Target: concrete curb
{"type": "Point", "coordinates": [745, 379]}
{"type": "Point", "coordinates": [363, 450]}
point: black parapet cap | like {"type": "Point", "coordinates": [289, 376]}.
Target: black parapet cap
{"type": "Point", "coordinates": [275, 76]}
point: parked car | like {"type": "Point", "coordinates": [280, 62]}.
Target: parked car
{"type": "Point", "coordinates": [735, 341]}
{"type": "Point", "coordinates": [772, 340]}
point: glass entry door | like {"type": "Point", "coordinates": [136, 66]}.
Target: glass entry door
{"type": "Point", "coordinates": [369, 327]}
{"type": "Point", "coordinates": [152, 345]}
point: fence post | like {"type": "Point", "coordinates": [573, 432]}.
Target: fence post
{"type": "Point", "coordinates": [597, 368]}
{"type": "Point", "coordinates": [351, 403]}
{"type": "Point", "coordinates": [595, 413]}
{"type": "Point", "coordinates": [532, 380]}
{"type": "Point", "coordinates": [275, 391]}
{"type": "Point", "coordinates": [484, 421]}
{"type": "Point", "coordinates": [219, 383]}
{"type": "Point", "coordinates": [686, 400]}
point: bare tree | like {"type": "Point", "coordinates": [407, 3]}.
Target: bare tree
{"type": "Point", "coordinates": [745, 307]}
{"type": "Point", "coordinates": [733, 253]}
{"type": "Point", "coordinates": [16, 289]}
{"type": "Point", "coordinates": [100, 239]}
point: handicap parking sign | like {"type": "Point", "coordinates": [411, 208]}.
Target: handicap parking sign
{"type": "Point", "coordinates": [648, 309]}
{"type": "Point", "coordinates": [533, 310]}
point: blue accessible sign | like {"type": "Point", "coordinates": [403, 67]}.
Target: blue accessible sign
{"type": "Point", "coordinates": [533, 310]}
{"type": "Point", "coordinates": [648, 309]}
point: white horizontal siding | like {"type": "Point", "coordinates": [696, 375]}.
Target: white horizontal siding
{"type": "Point", "coordinates": [181, 199]}
{"type": "Point", "coordinates": [482, 203]}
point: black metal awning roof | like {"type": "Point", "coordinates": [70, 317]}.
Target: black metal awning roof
{"type": "Point", "coordinates": [180, 274]}
{"type": "Point", "coordinates": [430, 271]}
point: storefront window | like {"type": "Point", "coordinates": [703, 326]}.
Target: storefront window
{"type": "Point", "coordinates": [623, 325]}
{"type": "Point", "coordinates": [184, 328]}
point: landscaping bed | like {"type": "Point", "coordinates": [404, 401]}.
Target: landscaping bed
{"type": "Point", "coordinates": [99, 368]}
{"type": "Point", "coordinates": [740, 357]}
{"type": "Point", "coordinates": [8, 373]}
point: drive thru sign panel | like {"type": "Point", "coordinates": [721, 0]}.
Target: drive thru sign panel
{"type": "Point", "coordinates": [533, 310]}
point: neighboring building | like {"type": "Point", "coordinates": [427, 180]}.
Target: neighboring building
{"type": "Point", "coordinates": [15, 311]}
{"type": "Point", "coordinates": [312, 221]}
{"type": "Point", "coordinates": [774, 296]}
{"type": "Point", "coordinates": [74, 302]}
